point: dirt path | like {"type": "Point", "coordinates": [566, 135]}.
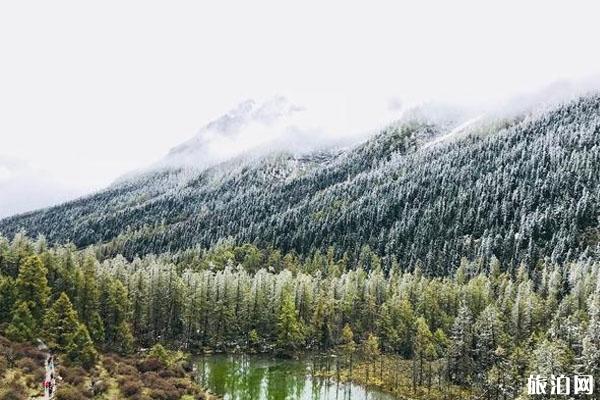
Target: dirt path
{"type": "Point", "coordinates": [51, 378]}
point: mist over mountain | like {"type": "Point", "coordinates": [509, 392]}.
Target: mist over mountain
{"type": "Point", "coordinates": [234, 133]}
{"type": "Point", "coordinates": [261, 127]}
{"type": "Point", "coordinates": [24, 187]}
{"type": "Point", "coordinates": [421, 190]}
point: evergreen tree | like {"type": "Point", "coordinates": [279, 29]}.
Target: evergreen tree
{"type": "Point", "coordinates": [488, 336]}
{"type": "Point", "coordinates": [8, 298]}
{"type": "Point", "coordinates": [290, 332]}
{"type": "Point", "coordinates": [80, 348]}
{"type": "Point", "coordinates": [61, 323]}
{"type": "Point", "coordinates": [370, 350]}
{"type": "Point", "coordinates": [96, 329]}
{"type": "Point", "coordinates": [32, 286]}
{"type": "Point", "coordinates": [23, 326]}
{"type": "Point", "coordinates": [490, 354]}
{"type": "Point", "coordinates": [124, 343]}
{"type": "Point", "coordinates": [139, 301]}
{"type": "Point", "coordinates": [347, 345]}
{"type": "Point", "coordinates": [66, 271]}
{"type": "Point", "coordinates": [115, 312]}
{"type": "Point", "coordinates": [423, 351]}
{"type": "Point", "coordinates": [321, 320]}
{"type": "Point", "coordinates": [551, 358]}
{"type": "Point", "coordinates": [461, 364]}
{"type": "Point", "coordinates": [591, 341]}
{"type": "Point", "coordinates": [88, 295]}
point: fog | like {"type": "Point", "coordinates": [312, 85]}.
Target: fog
{"type": "Point", "coordinates": [24, 187]}
{"type": "Point", "coordinates": [89, 92]}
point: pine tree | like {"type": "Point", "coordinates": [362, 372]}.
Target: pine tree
{"type": "Point", "coordinates": [65, 280]}
{"type": "Point", "coordinates": [321, 319]}
{"type": "Point", "coordinates": [441, 343]}
{"type": "Point", "coordinates": [390, 337]}
{"type": "Point", "coordinates": [96, 329]}
{"type": "Point", "coordinates": [115, 311]}
{"type": "Point", "coordinates": [290, 332]}
{"type": "Point", "coordinates": [460, 363]}
{"type": "Point", "coordinates": [80, 348]}
{"type": "Point", "coordinates": [488, 336]}
{"type": "Point", "coordinates": [139, 301]}
{"type": "Point", "coordinates": [8, 298]}
{"type": "Point", "coordinates": [88, 295]}
{"type": "Point", "coordinates": [370, 350]}
{"type": "Point", "coordinates": [124, 343]}
{"type": "Point", "coordinates": [348, 346]}
{"type": "Point", "coordinates": [551, 358]}
{"type": "Point", "coordinates": [23, 326]}
{"type": "Point", "coordinates": [61, 323]}
{"type": "Point", "coordinates": [32, 286]}
{"type": "Point", "coordinates": [591, 341]}
{"type": "Point", "coordinates": [423, 351]}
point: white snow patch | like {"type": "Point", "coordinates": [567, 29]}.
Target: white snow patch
{"type": "Point", "coordinates": [454, 132]}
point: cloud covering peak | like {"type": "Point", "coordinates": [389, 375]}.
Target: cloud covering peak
{"type": "Point", "coordinates": [272, 124]}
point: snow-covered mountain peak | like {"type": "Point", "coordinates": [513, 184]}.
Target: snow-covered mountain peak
{"type": "Point", "coordinates": [250, 111]}
{"type": "Point", "coordinates": [248, 125]}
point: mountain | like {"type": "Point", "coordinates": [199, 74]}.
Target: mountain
{"type": "Point", "coordinates": [233, 133]}
{"type": "Point", "coordinates": [419, 191]}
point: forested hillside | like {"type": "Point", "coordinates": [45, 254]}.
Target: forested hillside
{"type": "Point", "coordinates": [481, 330]}
{"type": "Point", "coordinates": [53, 301]}
{"type": "Point", "coordinates": [463, 259]}
{"type": "Point", "coordinates": [521, 189]}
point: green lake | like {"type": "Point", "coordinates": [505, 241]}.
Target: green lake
{"type": "Point", "coordinates": [244, 377]}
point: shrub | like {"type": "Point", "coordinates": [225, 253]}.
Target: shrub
{"type": "Point", "coordinates": [11, 394]}
{"type": "Point", "coordinates": [131, 388]}
{"type": "Point", "coordinates": [99, 387]}
{"type": "Point", "coordinates": [74, 375]}
{"type": "Point", "coordinates": [27, 350]}
{"type": "Point", "coordinates": [37, 376]}
{"type": "Point", "coordinates": [116, 357]}
{"type": "Point", "coordinates": [126, 369]}
{"type": "Point", "coordinates": [183, 385]}
{"type": "Point", "coordinates": [176, 371]}
{"type": "Point", "coordinates": [14, 391]}
{"type": "Point", "coordinates": [160, 394]}
{"type": "Point", "coordinates": [4, 342]}
{"type": "Point", "coordinates": [166, 373]}
{"type": "Point", "coordinates": [69, 392]}
{"type": "Point", "coordinates": [27, 365]}
{"type": "Point", "coordinates": [110, 364]}
{"type": "Point", "coordinates": [162, 388]}
{"type": "Point", "coordinates": [3, 365]}
{"type": "Point", "coordinates": [168, 357]}
{"type": "Point", "coordinates": [150, 377]}
{"type": "Point", "coordinates": [150, 364]}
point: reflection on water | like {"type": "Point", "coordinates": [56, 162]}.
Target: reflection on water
{"type": "Point", "coordinates": [244, 377]}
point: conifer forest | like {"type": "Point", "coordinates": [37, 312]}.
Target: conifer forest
{"type": "Point", "coordinates": [427, 262]}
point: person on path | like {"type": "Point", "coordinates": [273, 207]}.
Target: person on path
{"type": "Point", "coordinates": [49, 381]}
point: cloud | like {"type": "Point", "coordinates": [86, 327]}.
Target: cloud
{"type": "Point", "coordinates": [320, 120]}
{"type": "Point", "coordinates": [277, 123]}
{"type": "Point", "coordinates": [5, 174]}
{"type": "Point", "coordinates": [26, 188]}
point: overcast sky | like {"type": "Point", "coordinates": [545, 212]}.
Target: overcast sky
{"type": "Point", "coordinates": [91, 90]}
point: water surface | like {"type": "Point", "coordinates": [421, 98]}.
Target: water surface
{"type": "Point", "coordinates": [245, 377]}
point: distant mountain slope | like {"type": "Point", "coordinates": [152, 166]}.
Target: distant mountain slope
{"type": "Point", "coordinates": [517, 189]}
